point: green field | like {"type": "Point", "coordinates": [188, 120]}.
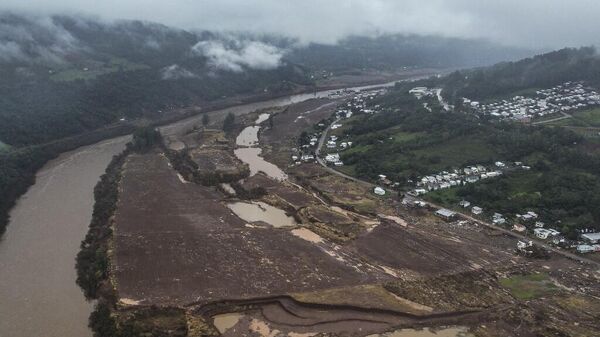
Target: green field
{"type": "Point", "coordinates": [3, 146]}
{"type": "Point", "coordinates": [528, 287]}
{"type": "Point", "coordinates": [590, 117]}
{"type": "Point", "coordinates": [95, 69]}
{"type": "Point", "coordinates": [586, 118]}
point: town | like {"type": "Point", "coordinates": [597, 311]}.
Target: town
{"type": "Point", "coordinates": [562, 98]}
{"type": "Point", "coordinates": [558, 100]}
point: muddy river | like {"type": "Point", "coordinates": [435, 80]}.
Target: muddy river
{"type": "Point", "coordinates": [38, 294]}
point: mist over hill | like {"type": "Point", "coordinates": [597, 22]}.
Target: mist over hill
{"type": "Point", "coordinates": [62, 75]}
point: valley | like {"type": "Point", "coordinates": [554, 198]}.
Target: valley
{"type": "Point", "coordinates": [180, 250]}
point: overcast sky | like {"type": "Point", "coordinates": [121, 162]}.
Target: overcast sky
{"type": "Point", "coordinates": [531, 23]}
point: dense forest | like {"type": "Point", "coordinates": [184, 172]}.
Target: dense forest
{"type": "Point", "coordinates": [67, 76]}
{"type": "Point", "coordinates": [507, 78]}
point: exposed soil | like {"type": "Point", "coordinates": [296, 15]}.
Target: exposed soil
{"type": "Point", "coordinates": [355, 264]}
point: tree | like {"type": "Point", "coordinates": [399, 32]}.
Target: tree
{"type": "Point", "coordinates": [145, 138]}
{"type": "Point", "coordinates": [229, 122]}
{"type": "Point", "coordinates": [205, 120]}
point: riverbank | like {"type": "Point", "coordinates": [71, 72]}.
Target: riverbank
{"type": "Point", "coordinates": [22, 164]}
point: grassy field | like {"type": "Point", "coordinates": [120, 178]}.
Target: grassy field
{"type": "Point", "coordinates": [586, 118]}
{"type": "Point", "coordinates": [528, 287]}
{"type": "Point", "coordinates": [590, 117]}
{"type": "Point", "coordinates": [4, 147]}
{"type": "Point", "coordinates": [96, 69]}
{"type": "Point", "coordinates": [457, 152]}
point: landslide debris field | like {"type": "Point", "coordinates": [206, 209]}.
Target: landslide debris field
{"type": "Point", "coordinates": [350, 263]}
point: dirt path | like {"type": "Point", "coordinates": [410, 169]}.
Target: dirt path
{"type": "Point", "coordinates": [564, 116]}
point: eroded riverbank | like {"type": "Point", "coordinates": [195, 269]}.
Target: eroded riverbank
{"type": "Point", "coordinates": [37, 287]}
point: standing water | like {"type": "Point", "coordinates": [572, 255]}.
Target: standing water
{"type": "Point", "coordinates": [250, 154]}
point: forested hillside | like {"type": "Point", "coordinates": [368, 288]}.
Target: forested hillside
{"type": "Point", "coordinates": [504, 79]}
{"type": "Point", "coordinates": [66, 76]}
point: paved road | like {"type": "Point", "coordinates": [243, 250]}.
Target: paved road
{"type": "Point", "coordinates": [464, 215]}
{"type": "Point", "coordinates": [324, 164]}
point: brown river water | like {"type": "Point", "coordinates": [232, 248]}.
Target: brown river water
{"type": "Point", "coordinates": [38, 294]}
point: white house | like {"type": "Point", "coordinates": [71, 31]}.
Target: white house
{"type": "Point", "coordinates": [544, 233]}
{"type": "Point", "coordinates": [379, 191]}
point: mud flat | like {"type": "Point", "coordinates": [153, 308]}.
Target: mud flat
{"type": "Point", "coordinates": [427, 332]}
{"type": "Point", "coordinates": [261, 212]}
{"type": "Point", "coordinates": [176, 244]}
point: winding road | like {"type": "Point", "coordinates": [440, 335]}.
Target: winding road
{"type": "Point", "coordinates": [463, 215]}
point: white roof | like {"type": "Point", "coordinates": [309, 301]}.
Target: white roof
{"type": "Point", "coordinates": [445, 212]}
{"type": "Point", "coordinates": [591, 236]}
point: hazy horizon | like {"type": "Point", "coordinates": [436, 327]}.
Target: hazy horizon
{"type": "Point", "coordinates": [535, 24]}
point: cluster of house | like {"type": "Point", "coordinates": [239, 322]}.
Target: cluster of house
{"type": "Point", "coordinates": [420, 92]}
{"type": "Point", "coordinates": [357, 104]}
{"type": "Point", "coordinates": [458, 177]}
{"type": "Point", "coordinates": [332, 143]}
{"type": "Point", "coordinates": [589, 242]}
{"type": "Point", "coordinates": [562, 98]}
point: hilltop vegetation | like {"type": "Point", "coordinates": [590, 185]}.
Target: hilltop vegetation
{"type": "Point", "coordinates": [405, 141]}
{"type": "Point", "coordinates": [509, 78]}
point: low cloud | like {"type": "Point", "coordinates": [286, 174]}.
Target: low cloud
{"type": "Point", "coordinates": [32, 39]}
{"type": "Point", "coordinates": [237, 55]}
{"type": "Point", "coordinates": [175, 72]}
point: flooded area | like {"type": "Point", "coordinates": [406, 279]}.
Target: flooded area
{"type": "Point", "coordinates": [263, 117]}
{"type": "Point", "coordinates": [427, 332]}
{"type": "Point", "coordinates": [307, 235]}
{"type": "Point", "coordinates": [242, 109]}
{"type": "Point", "coordinates": [38, 294]}
{"type": "Point", "coordinates": [248, 136]}
{"type": "Point", "coordinates": [249, 152]}
{"type": "Point", "coordinates": [261, 212]}
{"type": "Point", "coordinates": [251, 156]}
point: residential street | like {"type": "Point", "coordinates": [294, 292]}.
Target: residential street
{"type": "Point", "coordinates": [463, 215]}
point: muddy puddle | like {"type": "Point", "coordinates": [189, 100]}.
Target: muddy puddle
{"type": "Point", "coordinates": [259, 211]}
{"type": "Point", "coordinates": [225, 322]}
{"type": "Point", "coordinates": [248, 136]}
{"type": "Point", "coordinates": [427, 332]}
{"type": "Point", "coordinates": [249, 152]}
{"type": "Point", "coordinates": [262, 118]}
{"type": "Point", "coordinates": [307, 235]}
{"type": "Point", "coordinates": [251, 156]}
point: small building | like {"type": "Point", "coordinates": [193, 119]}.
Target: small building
{"type": "Point", "coordinates": [519, 228]}
{"type": "Point", "coordinates": [445, 214]}
{"type": "Point", "coordinates": [544, 233]}
{"type": "Point", "coordinates": [582, 249]}
{"type": "Point", "coordinates": [465, 204]}
{"type": "Point", "coordinates": [379, 191]}
{"type": "Point", "coordinates": [591, 238]}
{"type": "Point", "coordinates": [420, 191]}
{"type": "Point", "coordinates": [476, 210]}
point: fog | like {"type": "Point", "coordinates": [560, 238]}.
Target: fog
{"type": "Point", "coordinates": [530, 23]}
